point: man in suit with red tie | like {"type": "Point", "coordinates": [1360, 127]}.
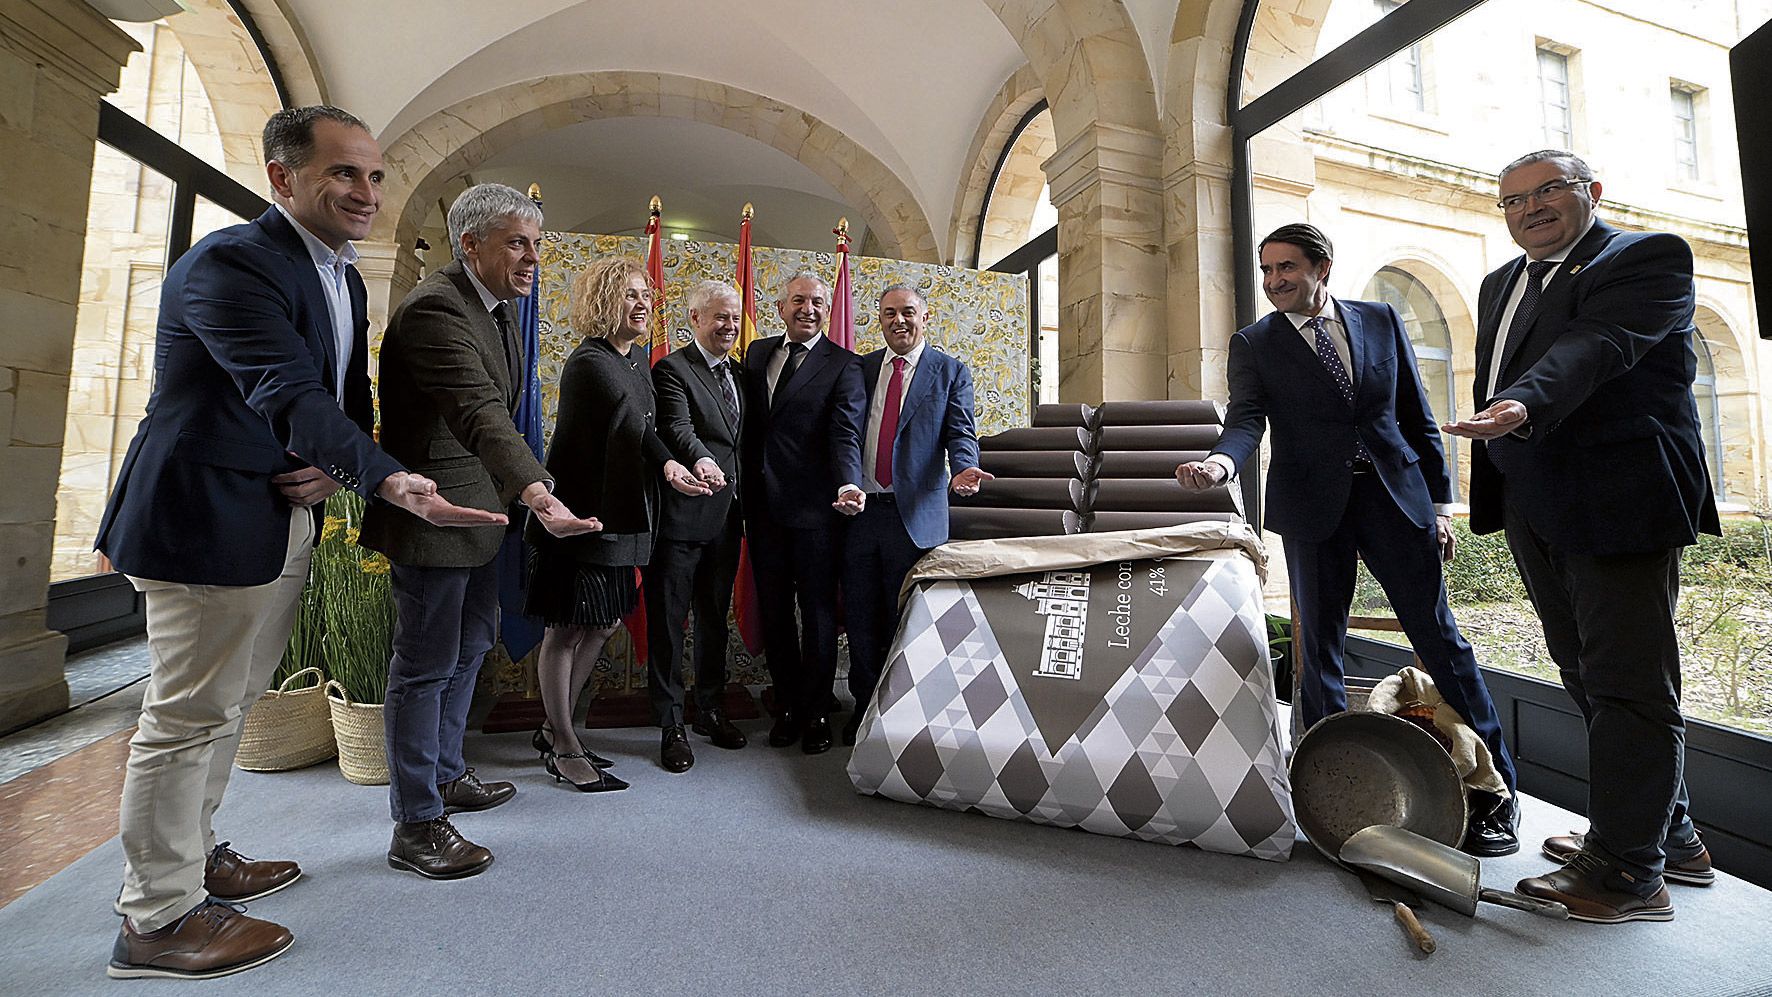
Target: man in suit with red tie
{"type": "Point", "coordinates": [260, 411]}
{"type": "Point", "coordinates": [797, 390]}
{"type": "Point", "coordinates": [918, 440]}
{"type": "Point", "coordinates": [1588, 455]}
{"type": "Point", "coordinates": [1358, 473]}
{"type": "Point", "coordinates": [700, 418]}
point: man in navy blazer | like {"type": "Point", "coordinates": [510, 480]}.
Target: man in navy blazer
{"type": "Point", "coordinates": [1357, 473]}
{"type": "Point", "coordinates": [796, 391]}
{"type": "Point", "coordinates": [917, 440]}
{"type": "Point", "coordinates": [1589, 457]}
{"type": "Point", "coordinates": [260, 411]}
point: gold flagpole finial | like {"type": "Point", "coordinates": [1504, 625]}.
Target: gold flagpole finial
{"type": "Point", "coordinates": [843, 227]}
{"type": "Point", "coordinates": [656, 206]}
{"type": "Point", "coordinates": [535, 192]}
{"type": "Point", "coordinates": [748, 210]}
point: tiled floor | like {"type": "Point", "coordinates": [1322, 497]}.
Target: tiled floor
{"type": "Point", "coordinates": [60, 779]}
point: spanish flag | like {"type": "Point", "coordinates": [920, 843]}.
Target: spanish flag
{"type": "Point", "coordinates": [661, 333]}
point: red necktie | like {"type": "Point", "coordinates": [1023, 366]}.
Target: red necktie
{"type": "Point", "coordinates": [889, 425]}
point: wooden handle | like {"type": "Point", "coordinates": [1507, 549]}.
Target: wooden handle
{"type": "Point", "coordinates": [1423, 940]}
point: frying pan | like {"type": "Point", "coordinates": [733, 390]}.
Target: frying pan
{"type": "Point", "coordinates": [1353, 770]}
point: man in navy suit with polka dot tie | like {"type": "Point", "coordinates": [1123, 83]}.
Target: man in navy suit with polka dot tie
{"type": "Point", "coordinates": [1358, 473]}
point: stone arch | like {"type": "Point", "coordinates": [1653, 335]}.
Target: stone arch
{"type": "Point", "coordinates": [1014, 99]}
{"type": "Point", "coordinates": [235, 78]}
{"type": "Point", "coordinates": [1740, 455]}
{"type": "Point", "coordinates": [433, 153]}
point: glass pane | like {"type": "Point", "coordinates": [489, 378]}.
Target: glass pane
{"type": "Point", "coordinates": [160, 88]}
{"type": "Point", "coordinates": [1019, 206]}
{"type": "Point", "coordinates": [112, 371]}
{"type": "Point", "coordinates": [1048, 277]}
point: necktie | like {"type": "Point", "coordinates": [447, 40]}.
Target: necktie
{"type": "Point", "coordinates": [1516, 329]}
{"type": "Point", "coordinates": [1326, 353]}
{"type": "Point", "coordinates": [727, 393]}
{"type": "Point", "coordinates": [889, 425]}
{"type": "Point", "coordinates": [796, 352]}
{"type": "Point", "coordinates": [501, 314]}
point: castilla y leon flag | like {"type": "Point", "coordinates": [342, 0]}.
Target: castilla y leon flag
{"type": "Point", "coordinates": [842, 298]}
{"type": "Point", "coordinates": [745, 608]}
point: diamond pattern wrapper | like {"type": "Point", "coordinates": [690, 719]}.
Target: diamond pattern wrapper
{"type": "Point", "coordinates": [1133, 699]}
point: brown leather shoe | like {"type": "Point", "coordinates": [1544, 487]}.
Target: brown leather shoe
{"type": "Point", "coordinates": [1596, 890]}
{"type": "Point", "coordinates": [469, 795]}
{"type": "Point", "coordinates": [212, 939]}
{"type": "Point", "coordinates": [1683, 864]}
{"type": "Point", "coordinates": [229, 875]}
{"type": "Point", "coordinates": [436, 850]}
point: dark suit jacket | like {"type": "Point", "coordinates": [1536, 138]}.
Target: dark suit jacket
{"type": "Point", "coordinates": [937, 439]}
{"type": "Point", "coordinates": [1278, 378]}
{"type": "Point", "coordinates": [693, 423]}
{"type": "Point", "coordinates": [447, 395]}
{"type": "Point", "coordinates": [606, 454]}
{"type": "Point", "coordinates": [789, 450]}
{"type": "Point", "coordinates": [1611, 460]}
{"type": "Point", "coordinates": [244, 388]}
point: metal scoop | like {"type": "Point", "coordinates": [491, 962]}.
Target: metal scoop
{"type": "Point", "coordinates": [1443, 874]}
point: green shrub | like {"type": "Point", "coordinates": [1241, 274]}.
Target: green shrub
{"type": "Point", "coordinates": [356, 601]}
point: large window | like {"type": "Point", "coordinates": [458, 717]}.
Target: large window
{"type": "Point", "coordinates": [1431, 338]}
{"type": "Point", "coordinates": [1402, 72]}
{"type": "Point", "coordinates": [1554, 98]}
{"type": "Point", "coordinates": [1685, 108]}
{"type": "Point", "coordinates": [1710, 414]}
{"type": "Point", "coordinates": [1018, 233]}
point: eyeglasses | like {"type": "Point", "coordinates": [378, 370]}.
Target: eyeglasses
{"type": "Point", "coordinates": [1546, 193]}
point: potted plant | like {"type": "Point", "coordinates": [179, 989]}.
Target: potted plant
{"type": "Point", "coordinates": [357, 607]}
{"type": "Point", "coordinates": [1279, 652]}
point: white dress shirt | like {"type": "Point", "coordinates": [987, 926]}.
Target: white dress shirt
{"type": "Point", "coordinates": [780, 359]}
{"type": "Point", "coordinates": [1513, 305]}
{"type": "Point", "coordinates": [870, 441]}
{"type": "Point", "coordinates": [332, 266]}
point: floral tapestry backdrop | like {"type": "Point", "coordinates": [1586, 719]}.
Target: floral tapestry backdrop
{"type": "Point", "coordinates": [978, 316]}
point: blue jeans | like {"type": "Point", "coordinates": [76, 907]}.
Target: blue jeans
{"type": "Point", "coordinates": [445, 621]}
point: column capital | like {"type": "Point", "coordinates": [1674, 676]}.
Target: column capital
{"type": "Point", "coordinates": [1105, 152]}
{"type": "Point", "coordinates": [69, 37]}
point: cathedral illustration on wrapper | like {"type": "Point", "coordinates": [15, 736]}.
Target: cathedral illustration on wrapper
{"type": "Point", "coordinates": [1063, 598]}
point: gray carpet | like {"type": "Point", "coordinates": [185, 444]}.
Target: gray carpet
{"type": "Point", "coordinates": [761, 872]}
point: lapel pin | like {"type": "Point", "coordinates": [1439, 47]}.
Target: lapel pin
{"type": "Point", "coordinates": [1575, 269]}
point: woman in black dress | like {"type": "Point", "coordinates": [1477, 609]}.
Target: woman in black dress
{"type": "Point", "coordinates": [606, 460]}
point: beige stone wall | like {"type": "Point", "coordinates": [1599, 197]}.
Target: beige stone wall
{"type": "Point", "coordinates": [56, 60]}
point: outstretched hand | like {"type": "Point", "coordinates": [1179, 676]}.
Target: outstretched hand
{"type": "Point", "coordinates": [1199, 475]}
{"type": "Point", "coordinates": [968, 481]}
{"type": "Point", "coordinates": [417, 494]}
{"type": "Point", "coordinates": [678, 477]}
{"type": "Point", "coordinates": [1503, 417]}
{"type": "Point", "coordinates": [554, 517]}
{"type": "Point", "coordinates": [710, 474]}
{"type": "Point", "coordinates": [850, 502]}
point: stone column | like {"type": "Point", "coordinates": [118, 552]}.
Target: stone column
{"type": "Point", "coordinates": [388, 272]}
{"type": "Point", "coordinates": [57, 59]}
{"type": "Point", "coordinates": [1112, 341]}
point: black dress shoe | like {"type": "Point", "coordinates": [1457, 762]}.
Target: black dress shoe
{"type": "Point", "coordinates": [816, 740]}
{"type": "Point", "coordinates": [851, 727]}
{"type": "Point", "coordinates": [606, 782]}
{"type": "Point", "coordinates": [785, 732]}
{"type": "Point", "coordinates": [545, 745]}
{"type": "Point", "coordinates": [673, 750]}
{"type": "Point", "coordinates": [712, 724]}
{"type": "Point", "coordinates": [1495, 833]}
{"type": "Point", "coordinates": [469, 795]}
{"type": "Point", "coordinates": [436, 850]}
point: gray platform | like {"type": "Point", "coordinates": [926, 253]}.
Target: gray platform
{"type": "Point", "coordinates": [760, 871]}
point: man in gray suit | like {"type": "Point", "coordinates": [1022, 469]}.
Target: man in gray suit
{"type": "Point", "coordinates": [451, 372]}
{"type": "Point", "coordinates": [696, 557]}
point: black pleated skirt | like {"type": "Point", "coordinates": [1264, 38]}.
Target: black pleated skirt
{"type": "Point", "coordinates": [564, 591]}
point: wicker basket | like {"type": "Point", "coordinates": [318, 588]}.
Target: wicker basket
{"type": "Point", "coordinates": [287, 728]}
{"type": "Point", "coordinates": [362, 744]}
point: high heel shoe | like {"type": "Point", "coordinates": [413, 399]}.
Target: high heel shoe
{"type": "Point", "coordinates": [545, 747]}
{"type": "Point", "coordinates": [607, 782]}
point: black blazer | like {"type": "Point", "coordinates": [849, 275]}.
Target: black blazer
{"type": "Point", "coordinates": [1278, 379]}
{"type": "Point", "coordinates": [1611, 460]}
{"type": "Point", "coordinates": [790, 453]}
{"type": "Point", "coordinates": [244, 388]}
{"type": "Point", "coordinates": [693, 423]}
{"type": "Point", "coordinates": [606, 454]}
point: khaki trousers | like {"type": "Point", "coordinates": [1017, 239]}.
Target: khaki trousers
{"type": "Point", "coordinates": [212, 651]}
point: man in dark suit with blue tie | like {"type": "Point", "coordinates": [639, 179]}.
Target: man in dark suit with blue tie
{"type": "Point", "coordinates": [918, 439]}
{"type": "Point", "coordinates": [797, 390]}
{"type": "Point", "coordinates": [1357, 473]}
{"type": "Point", "coordinates": [1590, 458]}
{"type": "Point", "coordinates": [260, 411]}
{"type": "Point", "coordinates": [700, 418]}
